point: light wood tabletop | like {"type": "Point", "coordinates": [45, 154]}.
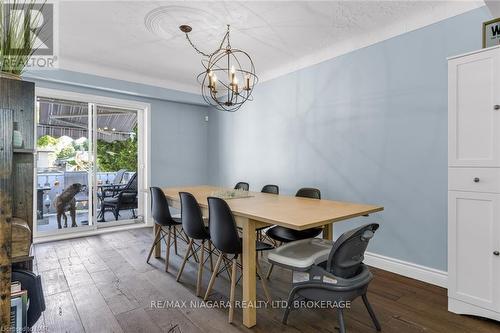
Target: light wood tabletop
{"type": "Point", "coordinates": [288, 211]}
{"type": "Point", "coordinates": [261, 209]}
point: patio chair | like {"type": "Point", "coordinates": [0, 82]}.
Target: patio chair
{"type": "Point", "coordinates": [125, 199]}
{"type": "Point", "coordinates": [112, 189]}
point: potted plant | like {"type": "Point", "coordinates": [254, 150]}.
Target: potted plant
{"type": "Point", "coordinates": [17, 42]}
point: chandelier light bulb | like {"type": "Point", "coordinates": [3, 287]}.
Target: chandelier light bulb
{"type": "Point", "coordinates": [247, 82]}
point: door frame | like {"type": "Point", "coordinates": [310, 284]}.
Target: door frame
{"type": "Point", "coordinates": [144, 150]}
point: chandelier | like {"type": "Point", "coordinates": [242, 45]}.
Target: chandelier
{"type": "Point", "coordinates": [228, 77]}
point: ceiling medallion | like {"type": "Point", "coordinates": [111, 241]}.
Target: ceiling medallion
{"type": "Point", "coordinates": [228, 77]}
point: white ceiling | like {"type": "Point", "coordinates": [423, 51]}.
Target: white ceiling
{"type": "Point", "coordinates": [140, 40]}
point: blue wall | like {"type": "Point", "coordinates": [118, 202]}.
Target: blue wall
{"type": "Point", "coordinates": [369, 126]}
{"type": "Point", "coordinates": [178, 130]}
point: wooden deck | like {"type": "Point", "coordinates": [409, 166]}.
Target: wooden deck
{"type": "Point", "coordinates": [103, 284]}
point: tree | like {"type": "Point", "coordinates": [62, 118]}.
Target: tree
{"type": "Point", "coordinates": [46, 141]}
{"type": "Point", "coordinates": [116, 155]}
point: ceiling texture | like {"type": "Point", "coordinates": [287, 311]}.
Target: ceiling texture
{"type": "Point", "coordinates": [140, 41]}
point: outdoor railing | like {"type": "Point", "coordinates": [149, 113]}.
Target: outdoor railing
{"type": "Point", "coordinates": [50, 184]}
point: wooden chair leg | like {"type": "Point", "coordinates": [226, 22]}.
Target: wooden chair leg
{"type": "Point", "coordinates": [167, 255]}
{"type": "Point", "coordinates": [264, 282]}
{"type": "Point", "coordinates": [268, 275]}
{"type": "Point", "coordinates": [200, 269]}
{"type": "Point", "coordinates": [194, 253]}
{"type": "Point", "coordinates": [155, 241]}
{"type": "Point", "coordinates": [211, 261]}
{"type": "Point", "coordinates": [185, 260]}
{"type": "Point", "coordinates": [233, 287]}
{"type": "Point", "coordinates": [213, 277]}
{"type": "Point", "coordinates": [175, 240]}
{"type": "Point", "coordinates": [227, 262]}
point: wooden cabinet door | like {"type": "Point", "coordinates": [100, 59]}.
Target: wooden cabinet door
{"type": "Point", "coordinates": [474, 120]}
{"type": "Point", "coordinates": [473, 238]}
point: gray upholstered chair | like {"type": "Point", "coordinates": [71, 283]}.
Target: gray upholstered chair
{"type": "Point", "coordinates": [326, 271]}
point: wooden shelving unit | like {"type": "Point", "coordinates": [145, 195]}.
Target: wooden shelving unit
{"type": "Point", "coordinates": [17, 104]}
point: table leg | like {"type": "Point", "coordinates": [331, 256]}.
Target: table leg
{"type": "Point", "coordinates": [328, 231]}
{"type": "Point", "coordinates": [158, 245]}
{"type": "Point", "coordinates": [249, 271]}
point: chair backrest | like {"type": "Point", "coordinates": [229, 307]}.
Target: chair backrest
{"type": "Point", "coordinates": [192, 217]}
{"type": "Point", "coordinates": [309, 192]}
{"type": "Point", "coordinates": [242, 186]}
{"type": "Point", "coordinates": [223, 232]}
{"type": "Point", "coordinates": [132, 183]}
{"type": "Point", "coordinates": [119, 176]}
{"type": "Point", "coordinates": [33, 284]}
{"type": "Point", "coordinates": [159, 207]}
{"type": "Point", "coordinates": [273, 189]}
{"type": "Point", "coordinates": [348, 251]}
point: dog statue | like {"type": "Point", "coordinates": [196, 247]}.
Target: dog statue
{"type": "Point", "coordinates": [66, 202]}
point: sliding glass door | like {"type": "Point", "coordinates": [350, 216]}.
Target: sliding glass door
{"type": "Point", "coordinates": [87, 171]}
{"type": "Point", "coordinates": [63, 173]}
{"type": "Point", "coordinates": [116, 154]}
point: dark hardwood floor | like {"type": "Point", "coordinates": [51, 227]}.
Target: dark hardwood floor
{"type": "Point", "coordinates": [103, 284]}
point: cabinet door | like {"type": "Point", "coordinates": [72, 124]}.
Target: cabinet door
{"type": "Point", "coordinates": [473, 268]}
{"type": "Point", "coordinates": [473, 92]}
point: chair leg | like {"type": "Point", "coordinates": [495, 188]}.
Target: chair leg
{"type": "Point", "coordinates": [233, 287]}
{"type": "Point", "coordinates": [200, 269]}
{"type": "Point", "coordinates": [268, 275]}
{"type": "Point", "coordinates": [227, 263]}
{"type": "Point", "coordinates": [210, 254]}
{"type": "Point", "coordinates": [213, 277]}
{"type": "Point", "coordinates": [340, 315]}
{"type": "Point", "coordinates": [167, 255]}
{"type": "Point", "coordinates": [195, 256]}
{"type": "Point", "coordinates": [289, 306]}
{"type": "Point", "coordinates": [372, 313]}
{"type": "Point", "coordinates": [175, 241]}
{"type": "Point", "coordinates": [155, 241]}
{"type": "Point", "coordinates": [263, 281]}
{"type": "Point", "coordinates": [186, 256]}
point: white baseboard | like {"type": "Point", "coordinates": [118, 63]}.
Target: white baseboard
{"type": "Point", "coordinates": [408, 269]}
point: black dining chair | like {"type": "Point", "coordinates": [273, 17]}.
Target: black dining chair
{"type": "Point", "coordinates": [271, 189]}
{"type": "Point", "coordinates": [194, 227]}
{"type": "Point", "coordinates": [242, 186]}
{"type": "Point", "coordinates": [285, 235]}
{"type": "Point", "coordinates": [163, 218]}
{"type": "Point", "coordinates": [225, 238]}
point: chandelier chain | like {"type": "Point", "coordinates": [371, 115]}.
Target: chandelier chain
{"type": "Point", "coordinates": [226, 37]}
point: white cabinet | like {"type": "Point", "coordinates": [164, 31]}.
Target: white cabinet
{"type": "Point", "coordinates": [473, 229]}
{"type": "Point", "coordinates": [474, 183]}
{"type": "Point", "coordinates": [474, 120]}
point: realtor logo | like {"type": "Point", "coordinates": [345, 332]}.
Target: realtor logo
{"type": "Point", "coordinates": [28, 36]}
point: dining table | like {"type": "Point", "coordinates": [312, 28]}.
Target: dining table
{"type": "Point", "coordinates": [256, 210]}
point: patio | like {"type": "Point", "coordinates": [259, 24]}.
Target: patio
{"type": "Point", "coordinates": [64, 163]}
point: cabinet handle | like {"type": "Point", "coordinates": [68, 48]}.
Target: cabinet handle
{"type": "Point", "coordinates": [476, 180]}
{"type": "Point", "coordinates": [496, 107]}
{"type": "Point", "coordinates": [496, 253]}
